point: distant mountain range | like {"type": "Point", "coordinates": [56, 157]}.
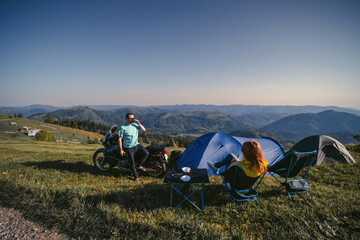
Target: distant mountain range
{"type": "Point", "coordinates": [28, 110]}
{"type": "Point", "coordinates": [327, 122]}
{"type": "Point", "coordinates": [80, 113]}
{"type": "Point", "coordinates": [258, 115]}
{"type": "Point", "coordinates": [154, 119]}
{"type": "Point", "coordinates": [286, 122]}
{"type": "Point", "coordinates": [239, 110]}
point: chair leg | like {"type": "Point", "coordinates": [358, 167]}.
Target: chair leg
{"type": "Point", "coordinates": [279, 188]}
{"type": "Point", "coordinates": [289, 195]}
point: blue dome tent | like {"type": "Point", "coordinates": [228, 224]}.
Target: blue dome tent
{"type": "Point", "coordinates": [209, 147]}
{"type": "Point", "coordinates": [216, 146]}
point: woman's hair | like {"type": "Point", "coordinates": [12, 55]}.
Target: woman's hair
{"type": "Point", "coordinates": [252, 152]}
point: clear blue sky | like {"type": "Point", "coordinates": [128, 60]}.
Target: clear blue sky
{"type": "Point", "coordinates": [70, 52]}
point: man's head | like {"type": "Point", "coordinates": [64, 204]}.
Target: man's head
{"type": "Point", "coordinates": [129, 118]}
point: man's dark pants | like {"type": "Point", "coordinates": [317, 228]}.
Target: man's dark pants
{"type": "Point", "coordinates": [141, 153]}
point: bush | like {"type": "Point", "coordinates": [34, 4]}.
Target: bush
{"type": "Point", "coordinates": [94, 141]}
{"type": "Point", "coordinates": [50, 119]}
{"type": "Point", "coordinates": [357, 136]}
{"type": "Point", "coordinates": [14, 135]}
{"type": "Point", "coordinates": [44, 135]}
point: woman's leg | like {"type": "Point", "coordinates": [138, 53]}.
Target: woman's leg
{"type": "Point", "coordinates": [226, 161]}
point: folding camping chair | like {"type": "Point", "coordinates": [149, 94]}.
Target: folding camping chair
{"type": "Point", "coordinates": [240, 186]}
{"type": "Point", "coordinates": [289, 167]}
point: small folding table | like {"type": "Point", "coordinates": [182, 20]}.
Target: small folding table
{"type": "Point", "coordinates": [198, 177]}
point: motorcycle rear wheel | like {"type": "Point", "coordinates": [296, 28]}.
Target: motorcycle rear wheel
{"type": "Point", "coordinates": [99, 161]}
{"type": "Point", "coordinates": [156, 170]}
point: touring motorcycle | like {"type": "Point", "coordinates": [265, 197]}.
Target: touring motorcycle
{"type": "Point", "coordinates": [155, 164]}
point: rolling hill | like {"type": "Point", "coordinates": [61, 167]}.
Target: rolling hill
{"type": "Point", "coordinates": [80, 113]}
{"type": "Point", "coordinates": [194, 122]}
{"type": "Point", "coordinates": [240, 110]}
{"type": "Point", "coordinates": [28, 110]}
{"type": "Point", "coordinates": [155, 120]}
{"type": "Point", "coordinates": [327, 122]}
{"type": "Point", "coordinates": [59, 132]}
{"type": "Point", "coordinates": [289, 129]}
{"type": "Point", "coordinates": [258, 115]}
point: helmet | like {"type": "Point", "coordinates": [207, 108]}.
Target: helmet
{"type": "Point", "coordinates": [114, 129]}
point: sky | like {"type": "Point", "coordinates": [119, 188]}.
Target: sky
{"type": "Point", "coordinates": [152, 52]}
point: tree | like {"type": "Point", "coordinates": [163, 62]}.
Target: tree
{"type": "Point", "coordinates": [74, 124]}
{"type": "Point", "coordinates": [50, 119]}
{"type": "Point", "coordinates": [44, 135]}
{"type": "Point", "coordinates": [357, 136]}
{"type": "Point", "coordinates": [20, 115]}
{"type": "Point", "coordinates": [173, 143]}
{"type": "Point", "coordinates": [14, 115]}
{"type": "Point", "coordinates": [9, 115]}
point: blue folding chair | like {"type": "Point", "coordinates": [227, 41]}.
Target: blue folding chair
{"type": "Point", "coordinates": [289, 167]}
{"type": "Point", "coordinates": [239, 185]}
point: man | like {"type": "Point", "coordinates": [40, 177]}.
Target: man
{"type": "Point", "coordinates": [129, 131]}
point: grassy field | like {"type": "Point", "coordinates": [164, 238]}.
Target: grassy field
{"type": "Point", "coordinates": [59, 132]}
{"type": "Point", "coordinates": [56, 185]}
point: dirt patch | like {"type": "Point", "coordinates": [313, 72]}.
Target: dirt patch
{"type": "Point", "coordinates": [14, 226]}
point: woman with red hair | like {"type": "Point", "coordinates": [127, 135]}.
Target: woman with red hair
{"type": "Point", "coordinates": [252, 161]}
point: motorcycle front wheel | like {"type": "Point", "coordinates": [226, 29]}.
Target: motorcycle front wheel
{"type": "Point", "coordinates": [156, 170]}
{"type": "Point", "coordinates": [100, 162]}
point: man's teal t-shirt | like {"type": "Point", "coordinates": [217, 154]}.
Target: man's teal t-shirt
{"type": "Point", "coordinates": [130, 134]}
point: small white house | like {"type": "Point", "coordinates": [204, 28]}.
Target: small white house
{"type": "Point", "coordinates": [33, 132]}
{"type": "Point", "coordinates": [13, 123]}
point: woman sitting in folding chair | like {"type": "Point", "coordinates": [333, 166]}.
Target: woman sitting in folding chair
{"type": "Point", "coordinates": [240, 176]}
{"type": "Point", "coordinates": [252, 161]}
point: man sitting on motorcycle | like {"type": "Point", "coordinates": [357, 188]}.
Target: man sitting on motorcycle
{"type": "Point", "coordinates": [111, 139]}
{"type": "Point", "coordinates": [129, 132]}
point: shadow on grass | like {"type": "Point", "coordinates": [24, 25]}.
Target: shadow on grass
{"type": "Point", "coordinates": [83, 217]}
{"type": "Point", "coordinates": [78, 167]}
{"type": "Point", "coordinates": [149, 197]}
{"type": "Point", "coordinates": [156, 196]}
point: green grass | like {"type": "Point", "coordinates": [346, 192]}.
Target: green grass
{"type": "Point", "coordinates": [59, 132]}
{"type": "Point", "coordinates": [56, 184]}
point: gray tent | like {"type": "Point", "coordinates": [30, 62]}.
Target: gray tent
{"type": "Point", "coordinates": [329, 149]}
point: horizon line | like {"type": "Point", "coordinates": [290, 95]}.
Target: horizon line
{"type": "Point", "coordinates": [158, 105]}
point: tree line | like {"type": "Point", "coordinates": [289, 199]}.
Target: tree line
{"type": "Point", "coordinates": [145, 138]}
{"type": "Point", "coordinates": [168, 140]}
{"type": "Point", "coordinates": [86, 125]}
{"type": "Point", "coordinates": [15, 116]}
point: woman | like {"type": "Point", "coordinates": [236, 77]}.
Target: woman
{"type": "Point", "coordinates": [252, 161]}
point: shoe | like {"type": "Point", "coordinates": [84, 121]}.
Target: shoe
{"type": "Point", "coordinates": [136, 180]}
{"type": "Point", "coordinates": [226, 185]}
{"type": "Point", "coordinates": [141, 168]}
{"type": "Point", "coordinates": [212, 166]}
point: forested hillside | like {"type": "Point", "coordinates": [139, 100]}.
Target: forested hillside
{"type": "Point", "coordinates": [154, 119]}
{"type": "Point", "coordinates": [288, 130]}
{"type": "Point", "coordinates": [337, 124]}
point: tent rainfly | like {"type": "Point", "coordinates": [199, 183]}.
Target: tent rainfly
{"type": "Point", "coordinates": [329, 149]}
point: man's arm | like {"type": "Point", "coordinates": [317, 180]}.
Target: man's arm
{"type": "Point", "coordinates": [140, 125]}
{"type": "Point", "coordinates": [120, 146]}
